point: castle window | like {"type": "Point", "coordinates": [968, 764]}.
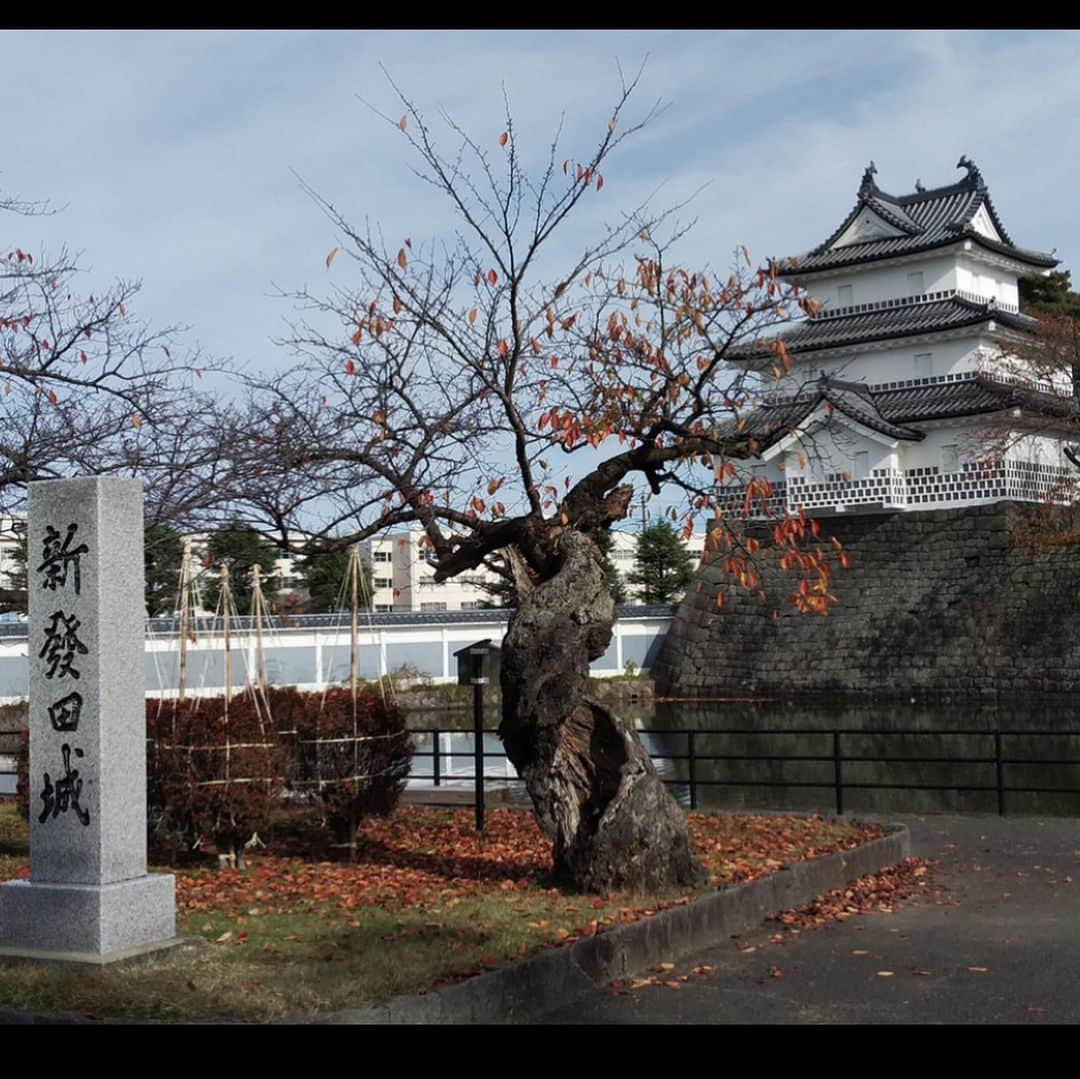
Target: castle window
{"type": "Point", "coordinates": [924, 364]}
{"type": "Point", "coordinates": [844, 296]}
{"type": "Point", "coordinates": [915, 283]}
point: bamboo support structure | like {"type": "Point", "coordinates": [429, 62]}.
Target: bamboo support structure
{"type": "Point", "coordinates": [185, 589]}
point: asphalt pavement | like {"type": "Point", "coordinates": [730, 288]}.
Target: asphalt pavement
{"type": "Point", "coordinates": [1001, 944]}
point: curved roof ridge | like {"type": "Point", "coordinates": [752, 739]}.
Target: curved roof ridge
{"type": "Point", "coordinates": [966, 184]}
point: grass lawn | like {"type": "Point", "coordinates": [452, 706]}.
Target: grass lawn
{"type": "Point", "coordinates": [426, 902]}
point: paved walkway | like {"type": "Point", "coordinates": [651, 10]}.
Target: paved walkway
{"type": "Point", "coordinates": [1008, 952]}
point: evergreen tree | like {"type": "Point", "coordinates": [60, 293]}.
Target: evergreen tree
{"type": "Point", "coordinates": [502, 592]}
{"type": "Point", "coordinates": [1050, 295]}
{"type": "Point", "coordinates": [662, 565]}
{"type": "Point", "coordinates": [324, 577]}
{"type": "Point", "coordinates": [163, 553]}
{"type": "Point", "coordinates": [13, 595]}
{"type": "Point", "coordinates": [243, 547]}
{"type": "Point", "coordinates": [606, 542]}
{"type": "Point", "coordinates": [1055, 349]}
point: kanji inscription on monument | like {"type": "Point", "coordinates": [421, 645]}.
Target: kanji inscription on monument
{"type": "Point", "coordinates": [89, 895]}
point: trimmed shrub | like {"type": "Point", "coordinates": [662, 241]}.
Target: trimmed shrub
{"type": "Point", "coordinates": [353, 758]}
{"type": "Point", "coordinates": [350, 765]}
{"type": "Point", "coordinates": [210, 775]}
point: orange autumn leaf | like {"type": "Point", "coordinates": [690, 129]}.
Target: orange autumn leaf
{"type": "Point", "coordinates": [330, 257]}
{"type": "Point", "coordinates": [502, 138]}
{"type": "Point", "coordinates": [402, 258]}
{"type": "Point", "coordinates": [472, 316]}
{"type": "Point", "coordinates": [403, 122]}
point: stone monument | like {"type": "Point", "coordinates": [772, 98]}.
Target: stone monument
{"type": "Point", "coordinates": [89, 896]}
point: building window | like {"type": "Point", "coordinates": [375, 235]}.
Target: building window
{"type": "Point", "coordinates": [384, 582]}
{"type": "Point", "coordinates": [384, 556]}
{"type": "Point", "coordinates": [384, 606]}
{"type": "Point", "coordinates": [433, 606]}
{"type": "Point", "coordinates": [844, 296]}
{"type": "Point", "coordinates": [915, 284]}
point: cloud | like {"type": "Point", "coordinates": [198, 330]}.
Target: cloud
{"type": "Point", "coordinates": [174, 152]}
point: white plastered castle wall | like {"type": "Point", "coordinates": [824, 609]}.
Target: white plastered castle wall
{"type": "Point", "coordinates": [896, 363]}
{"type": "Point", "coordinates": [884, 282]}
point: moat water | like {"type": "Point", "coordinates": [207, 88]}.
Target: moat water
{"type": "Point", "coordinates": [964, 757]}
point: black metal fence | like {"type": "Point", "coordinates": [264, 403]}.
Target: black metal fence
{"type": "Point", "coordinates": [1003, 756]}
{"type": "Point", "coordinates": [9, 751]}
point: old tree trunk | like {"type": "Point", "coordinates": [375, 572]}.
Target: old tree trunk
{"type": "Point", "coordinates": [596, 792]}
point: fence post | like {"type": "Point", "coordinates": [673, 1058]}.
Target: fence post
{"type": "Point", "coordinates": [435, 756]}
{"type": "Point", "coordinates": [1000, 774]}
{"type": "Point", "coordinates": [838, 774]}
{"type": "Point", "coordinates": [692, 760]}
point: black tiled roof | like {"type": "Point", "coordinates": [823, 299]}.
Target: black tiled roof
{"type": "Point", "coordinates": [928, 219]}
{"type": "Point", "coordinates": [969, 397]}
{"type": "Point", "coordinates": [771, 421]}
{"type": "Point", "coordinates": [896, 412]}
{"type": "Point", "coordinates": [882, 323]}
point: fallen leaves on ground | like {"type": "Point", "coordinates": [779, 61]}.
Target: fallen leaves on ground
{"type": "Point", "coordinates": [421, 858]}
{"type": "Point", "coordinates": [881, 892]}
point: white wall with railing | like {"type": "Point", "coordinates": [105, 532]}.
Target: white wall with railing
{"type": "Point", "coordinates": [313, 658]}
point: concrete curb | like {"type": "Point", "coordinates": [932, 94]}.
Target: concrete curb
{"type": "Point", "coordinates": [518, 990]}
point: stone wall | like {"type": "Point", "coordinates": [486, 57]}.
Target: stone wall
{"type": "Point", "coordinates": [939, 604]}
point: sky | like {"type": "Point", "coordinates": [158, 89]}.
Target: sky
{"type": "Point", "coordinates": [175, 157]}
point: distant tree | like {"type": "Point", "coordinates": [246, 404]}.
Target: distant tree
{"type": "Point", "coordinates": [612, 581]}
{"type": "Point", "coordinates": [1051, 353]}
{"type": "Point", "coordinates": [324, 577]}
{"type": "Point", "coordinates": [163, 553]}
{"type": "Point", "coordinates": [88, 388]}
{"type": "Point", "coordinates": [502, 591]}
{"type": "Point", "coordinates": [243, 547]}
{"type": "Point", "coordinates": [1049, 295]}
{"type": "Point", "coordinates": [1054, 349]}
{"type": "Point", "coordinates": [13, 595]}
{"type": "Point", "coordinates": [662, 565]}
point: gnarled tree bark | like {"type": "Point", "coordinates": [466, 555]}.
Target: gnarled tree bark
{"type": "Point", "coordinates": [596, 793]}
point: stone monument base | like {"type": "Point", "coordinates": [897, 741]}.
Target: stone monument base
{"type": "Point", "coordinates": [95, 923]}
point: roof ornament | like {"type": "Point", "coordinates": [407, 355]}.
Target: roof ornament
{"type": "Point", "coordinates": [868, 175]}
{"type": "Point", "coordinates": [919, 185]}
{"type": "Point", "coordinates": [973, 173]}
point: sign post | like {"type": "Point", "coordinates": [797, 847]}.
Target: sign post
{"type": "Point", "coordinates": [89, 897]}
